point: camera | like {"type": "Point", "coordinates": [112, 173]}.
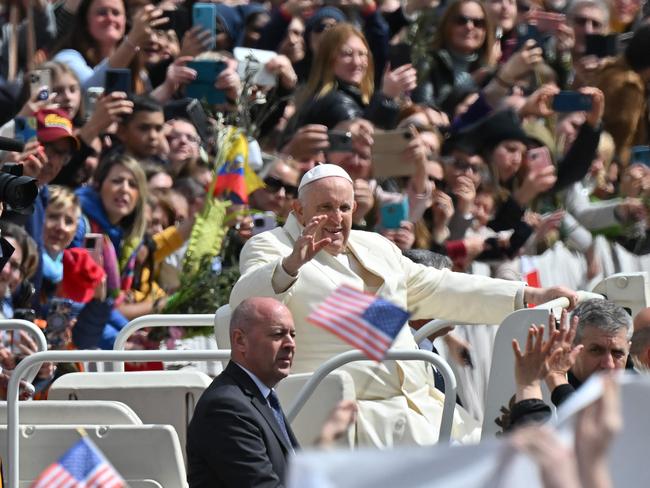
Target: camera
{"type": "Point", "coordinates": [16, 190]}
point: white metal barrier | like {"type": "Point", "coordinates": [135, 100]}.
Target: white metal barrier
{"type": "Point", "coordinates": [34, 360]}
{"type": "Point", "coordinates": [158, 320]}
{"type": "Point", "coordinates": [418, 355]}
{"type": "Point", "coordinates": [36, 333]}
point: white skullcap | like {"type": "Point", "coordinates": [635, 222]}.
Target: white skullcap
{"type": "Point", "coordinates": [323, 171]}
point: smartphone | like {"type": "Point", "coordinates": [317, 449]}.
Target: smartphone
{"type": "Point", "coordinates": [178, 21]}
{"type": "Point", "coordinates": [202, 87]}
{"type": "Point", "coordinates": [58, 321]}
{"type": "Point", "coordinates": [601, 46]}
{"type": "Point", "coordinates": [205, 15]}
{"type": "Point", "coordinates": [388, 154]}
{"type": "Point", "coordinates": [263, 222]}
{"type": "Point", "coordinates": [531, 32]}
{"type": "Point", "coordinates": [547, 22]}
{"type": "Point", "coordinates": [40, 81]}
{"type": "Point", "coordinates": [640, 155]}
{"type": "Point", "coordinates": [199, 119]}
{"type": "Point", "coordinates": [399, 55]}
{"type": "Point", "coordinates": [25, 129]}
{"type": "Point", "coordinates": [339, 141]}
{"type": "Point", "coordinates": [92, 94]}
{"type": "Point", "coordinates": [393, 213]}
{"type": "Point", "coordinates": [95, 245]}
{"type": "Point", "coordinates": [118, 80]}
{"type": "Point", "coordinates": [251, 66]}
{"type": "Point", "coordinates": [539, 158]}
{"type": "Point", "coordinates": [570, 101]}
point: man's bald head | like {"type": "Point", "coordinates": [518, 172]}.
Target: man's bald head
{"type": "Point", "coordinates": [642, 319]}
{"type": "Point", "coordinates": [262, 338]}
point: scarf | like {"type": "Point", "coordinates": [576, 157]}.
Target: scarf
{"type": "Point", "coordinates": [52, 267]}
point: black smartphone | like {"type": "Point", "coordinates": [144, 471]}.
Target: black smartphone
{"type": "Point", "coordinates": [529, 32]}
{"type": "Point", "coordinates": [340, 141]}
{"type": "Point", "coordinates": [118, 80]}
{"type": "Point", "coordinates": [199, 119]}
{"type": "Point", "coordinates": [601, 46]}
{"type": "Point", "coordinates": [571, 101]}
{"type": "Point", "coordinates": [399, 55]}
{"type": "Point", "coordinates": [178, 20]}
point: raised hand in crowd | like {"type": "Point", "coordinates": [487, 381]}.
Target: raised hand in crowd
{"type": "Point", "coordinates": [307, 142]}
{"type": "Point", "coordinates": [145, 21]}
{"type": "Point", "coordinates": [339, 421]}
{"type": "Point", "coordinates": [465, 192]}
{"type": "Point", "coordinates": [416, 153]}
{"type": "Point", "coordinates": [228, 80]}
{"type": "Point", "coordinates": [595, 115]}
{"type": "Point", "coordinates": [535, 182]}
{"type": "Point", "coordinates": [281, 67]}
{"type": "Point", "coordinates": [564, 353]}
{"type": "Point", "coordinates": [195, 41]}
{"type": "Point", "coordinates": [178, 75]}
{"type": "Point", "coordinates": [566, 38]}
{"type": "Point", "coordinates": [399, 81]}
{"type": "Point", "coordinates": [33, 159]}
{"type": "Point", "coordinates": [442, 210]}
{"type": "Point", "coordinates": [34, 105]}
{"type": "Point", "coordinates": [365, 200]}
{"type": "Point", "coordinates": [532, 364]}
{"type": "Point", "coordinates": [635, 181]}
{"type": "Point", "coordinates": [538, 104]}
{"type": "Point", "coordinates": [109, 109]}
{"type": "Point", "coordinates": [404, 237]}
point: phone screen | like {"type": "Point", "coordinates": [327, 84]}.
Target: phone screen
{"type": "Point", "coordinates": [118, 80]}
{"type": "Point", "coordinates": [570, 101]}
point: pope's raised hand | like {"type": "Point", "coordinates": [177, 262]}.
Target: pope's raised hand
{"type": "Point", "coordinates": [307, 245]}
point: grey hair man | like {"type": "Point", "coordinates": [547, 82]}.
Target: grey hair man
{"type": "Point", "coordinates": [605, 330]}
{"type": "Point", "coordinates": [587, 17]}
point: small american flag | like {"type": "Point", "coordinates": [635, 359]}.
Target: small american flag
{"type": "Point", "coordinates": [82, 466]}
{"type": "Point", "coordinates": [364, 321]}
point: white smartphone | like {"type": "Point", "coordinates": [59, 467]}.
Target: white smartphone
{"type": "Point", "coordinates": [95, 243]}
{"type": "Point", "coordinates": [92, 94]}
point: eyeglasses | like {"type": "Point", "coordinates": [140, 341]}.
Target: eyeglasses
{"type": "Point", "coordinates": [463, 20]}
{"type": "Point", "coordinates": [274, 184]}
{"type": "Point", "coordinates": [323, 26]}
{"type": "Point", "coordinates": [182, 135]}
{"type": "Point", "coordinates": [463, 166]}
{"type": "Point", "coordinates": [583, 21]}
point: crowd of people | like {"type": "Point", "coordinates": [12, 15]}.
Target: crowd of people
{"type": "Point", "coordinates": [478, 130]}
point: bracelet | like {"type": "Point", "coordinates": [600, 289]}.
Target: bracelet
{"type": "Point", "coordinates": [502, 82]}
{"type": "Point", "coordinates": [133, 46]}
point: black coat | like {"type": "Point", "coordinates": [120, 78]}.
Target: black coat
{"type": "Point", "coordinates": [233, 439]}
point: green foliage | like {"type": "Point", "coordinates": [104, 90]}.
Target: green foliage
{"type": "Point", "coordinates": [207, 235]}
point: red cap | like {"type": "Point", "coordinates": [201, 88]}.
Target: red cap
{"type": "Point", "coordinates": [53, 125]}
{"type": "Point", "coordinates": [81, 275]}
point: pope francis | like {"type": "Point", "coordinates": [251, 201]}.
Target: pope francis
{"type": "Point", "coordinates": [316, 251]}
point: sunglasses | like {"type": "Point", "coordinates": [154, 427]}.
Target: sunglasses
{"type": "Point", "coordinates": [463, 166]}
{"type": "Point", "coordinates": [463, 20]}
{"type": "Point", "coordinates": [323, 26]}
{"type": "Point", "coordinates": [274, 184]}
{"type": "Point", "coordinates": [583, 21]}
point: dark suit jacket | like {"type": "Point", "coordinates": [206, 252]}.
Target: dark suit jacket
{"type": "Point", "coordinates": [233, 439]}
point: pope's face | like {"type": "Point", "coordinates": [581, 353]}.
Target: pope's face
{"type": "Point", "coordinates": [334, 198]}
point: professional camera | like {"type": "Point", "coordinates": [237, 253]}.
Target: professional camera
{"type": "Point", "coordinates": [16, 190]}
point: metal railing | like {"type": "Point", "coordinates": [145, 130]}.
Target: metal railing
{"type": "Point", "coordinates": [416, 355]}
{"type": "Point", "coordinates": [32, 329]}
{"type": "Point", "coordinates": [158, 320]}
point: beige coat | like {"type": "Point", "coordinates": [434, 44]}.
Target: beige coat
{"type": "Point", "coordinates": [402, 406]}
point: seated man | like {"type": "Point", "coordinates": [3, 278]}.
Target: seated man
{"type": "Point", "coordinates": [316, 251]}
{"type": "Point", "coordinates": [238, 435]}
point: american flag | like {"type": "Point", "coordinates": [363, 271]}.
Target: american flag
{"type": "Point", "coordinates": [364, 321]}
{"type": "Point", "coordinates": [82, 466]}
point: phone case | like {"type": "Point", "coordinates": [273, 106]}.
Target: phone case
{"type": "Point", "coordinates": [392, 214]}
{"type": "Point", "coordinates": [117, 80]}
{"type": "Point", "coordinates": [205, 15]}
{"type": "Point", "coordinates": [569, 101]}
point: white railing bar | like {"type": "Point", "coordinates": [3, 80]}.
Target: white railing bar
{"type": "Point", "coordinates": [418, 355]}
{"type": "Point", "coordinates": [158, 320]}
{"type": "Point", "coordinates": [563, 302]}
{"type": "Point", "coordinates": [36, 333]}
{"type": "Point", "coordinates": [434, 326]}
{"type": "Point", "coordinates": [13, 416]}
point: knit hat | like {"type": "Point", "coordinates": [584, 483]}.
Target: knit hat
{"type": "Point", "coordinates": [323, 171]}
{"type": "Point", "coordinates": [81, 275]}
{"type": "Point", "coordinates": [231, 20]}
{"type": "Point", "coordinates": [324, 13]}
{"type": "Point", "coordinates": [54, 125]}
{"type": "Point", "coordinates": [500, 126]}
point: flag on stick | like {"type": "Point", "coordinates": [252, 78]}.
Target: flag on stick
{"type": "Point", "coordinates": [364, 321]}
{"type": "Point", "coordinates": [82, 466]}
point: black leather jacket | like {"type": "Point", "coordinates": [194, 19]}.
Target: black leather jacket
{"type": "Point", "coordinates": [344, 103]}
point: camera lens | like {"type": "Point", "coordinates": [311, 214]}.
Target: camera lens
{"type": "Point", "coordinates": [258, 222]}
{"type": "Point", "coordinates": [19, 192]}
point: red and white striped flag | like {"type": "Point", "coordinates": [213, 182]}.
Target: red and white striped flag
{"type": "Point", "coordinates": [82, 466]}
{"type": "Point", "coordinates": [364, 321]}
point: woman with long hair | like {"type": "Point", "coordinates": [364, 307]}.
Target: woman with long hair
{"type": "Point", "coordinates": [462, 45]}
{"type": "Point", "coordinates": [341, 83]}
